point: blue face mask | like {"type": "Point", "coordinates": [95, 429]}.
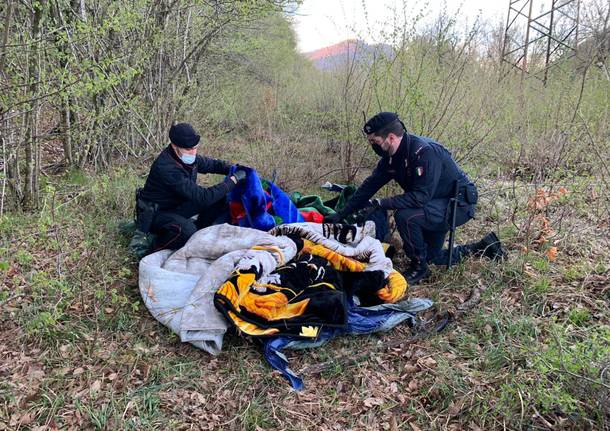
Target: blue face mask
{"type": "Point", "coordinates": [188, 159]}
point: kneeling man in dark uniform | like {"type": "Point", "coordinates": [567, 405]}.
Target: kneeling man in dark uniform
{"type": "Point", "coordinates": [171, 197]}
{"type": "Point", "coordinates": [428, 176]}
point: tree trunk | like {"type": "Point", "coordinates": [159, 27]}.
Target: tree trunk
{"type": "Point", "coordinates": [66, 136]}
{"type": "Point", "coordinates": [5, 33]}
{"type": "Point", "coordinates": [66, 101]}
{"type": "Point", "coordinates": [32, 163]}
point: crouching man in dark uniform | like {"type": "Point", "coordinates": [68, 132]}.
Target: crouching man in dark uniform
{"type": "Point", "coordinates": [427, 173]}
{"type": "Point", "coordinates": [171, 196]}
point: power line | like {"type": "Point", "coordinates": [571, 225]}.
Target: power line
{"type": "Point", "coordinates": [533, 44]}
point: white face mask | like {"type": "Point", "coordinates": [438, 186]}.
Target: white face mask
{"type": "Point", "coordinates": [187, 159]}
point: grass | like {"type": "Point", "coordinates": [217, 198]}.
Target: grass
{"type": "Point", "coordinates": [79, 351]}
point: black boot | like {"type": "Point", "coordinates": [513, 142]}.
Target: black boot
{"type": "Point", "coordinates": [490, 247]}
{"type": "Point", "coordinates": [417, 272]}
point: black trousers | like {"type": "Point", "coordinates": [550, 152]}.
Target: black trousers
{"type": "Point", "coordinates": [174, 228]}
{"type": "Point", "coordinates": [423, 231]}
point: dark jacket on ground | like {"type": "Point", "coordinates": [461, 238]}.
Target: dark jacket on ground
{"type": "Point", "coordinates": [172, 183]}
{"type": "Point", "coordinates": [424, 169]}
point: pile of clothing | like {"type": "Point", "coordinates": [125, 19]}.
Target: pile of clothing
{"type": "Point", "coordinates": [261, 204]}
{"type": "Point", "coordinates": [297, 285]}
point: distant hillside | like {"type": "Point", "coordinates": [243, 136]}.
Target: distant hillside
{"type": "Point", "coordinates": [334, 56]}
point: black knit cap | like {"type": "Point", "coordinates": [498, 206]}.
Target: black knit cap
{"type": "Point", "coordinates": [378, 122]}
{"type": "Point", "coordinates": [183, 135]}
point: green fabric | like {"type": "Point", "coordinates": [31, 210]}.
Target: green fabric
{"type": "Point", "coordinates": [310, 209]}
{"type": "Point", "coordinates": [315, 203]}
{"type": "Point", "coordinates": [345, 195]}
{"type": "Point", "coordinates": [310, 203]}
{"type": "Point", "coordinates": [295, 196]}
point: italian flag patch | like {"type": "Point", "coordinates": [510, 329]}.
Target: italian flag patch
{"type": "Point", "coordinates": [419, 171]}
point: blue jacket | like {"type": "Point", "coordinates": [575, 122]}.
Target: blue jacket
{"type": "Point", "coordinates": [171, 183]}
{"type": "Point", "coordinates": [422, 167]}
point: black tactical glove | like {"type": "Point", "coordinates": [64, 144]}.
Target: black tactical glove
{"type": "Point", "coordinates": [239, 175]}
{"type": "Point", "coordinates": [333, 218]}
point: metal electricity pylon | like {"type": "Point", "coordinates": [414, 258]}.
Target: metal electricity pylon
{"type": "Point", "coordinates": [533, 42]}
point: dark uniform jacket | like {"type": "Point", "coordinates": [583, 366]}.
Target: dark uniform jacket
{"type": "Point", "coordinates": [426, 172]}
{"type": "Point", "coordinates": [171, 182]}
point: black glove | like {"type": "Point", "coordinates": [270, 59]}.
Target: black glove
{"type": "Point", "coordinates": [333, 218]}
{"type": "Point", "coordinates": [374, 203]}
{"type": "Point", "coordinates": [239, 175]}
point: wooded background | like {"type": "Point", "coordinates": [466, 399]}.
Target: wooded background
{"type": "Point", "coordinates": [88, 82]}
{"type": "Point", "coordinates": [88, 90]}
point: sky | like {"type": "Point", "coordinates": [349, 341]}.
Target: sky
{"type": "Point", "coordinates": [319, 23]}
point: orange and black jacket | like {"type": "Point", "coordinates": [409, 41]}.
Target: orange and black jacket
{"type": "Point", "coordinates": [299, 298]}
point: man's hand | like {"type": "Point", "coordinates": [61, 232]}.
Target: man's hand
{"type": "Point", "coordinates": [238, 176]}
{"type": "Point", "coordinates": [374, 203]}
{"type": "Point", "coordinates": [333, 218]}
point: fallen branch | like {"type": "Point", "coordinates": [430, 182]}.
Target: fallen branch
{"type": "Point", "coordinates": [473, 299]}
